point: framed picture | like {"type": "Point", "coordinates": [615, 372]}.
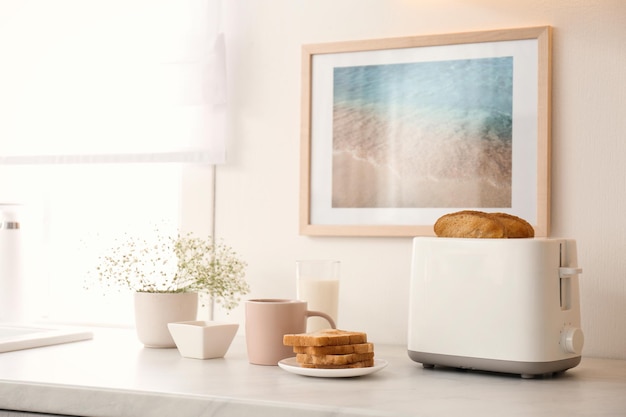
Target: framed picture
{"type": "Point", "coordinates": [398, 132]}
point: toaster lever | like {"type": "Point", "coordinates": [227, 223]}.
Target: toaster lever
{"type": "Point", "coordinates": [567, 272]}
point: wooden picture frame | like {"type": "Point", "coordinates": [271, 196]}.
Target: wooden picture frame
{"type": "Point", "coordinates": [397, 132]}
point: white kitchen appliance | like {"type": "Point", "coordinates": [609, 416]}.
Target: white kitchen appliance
{"type": "Point", "coordinates": [502, 305]}
{"type": "Point", "coordinates": [11, 264]}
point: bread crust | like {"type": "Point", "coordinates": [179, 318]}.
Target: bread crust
{"type": "Point", "coordinates": [481, 225]}
{"type": "Point", "coordinates": [469, 224]}
{"type": "Point", "coordinates": [516, 227]}
{"type": "Point", "coordinates": [346, 359]}
{"type": "Point", "coordinates": [327, 337]}
{"type": "Point", "coordinates": [363, 364]}
{"type": "Point", "coordinates": [335, 350]}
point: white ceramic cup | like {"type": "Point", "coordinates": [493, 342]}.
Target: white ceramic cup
{"type": "Point", "coordinates": [268, 320]}
{"type": "Point", "coordinates": [318, 285]}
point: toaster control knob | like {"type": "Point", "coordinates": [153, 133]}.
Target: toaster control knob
{"type": "Point", "coordinates": [572, 340]}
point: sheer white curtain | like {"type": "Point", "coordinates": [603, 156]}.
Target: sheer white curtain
{"type": "Point", "coordinates": [112, 115]}
{"type": "Point", "coordinates": [107, 81]}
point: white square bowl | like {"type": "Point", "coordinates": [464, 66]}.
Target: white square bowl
{"type": "Point", "coordinates": [202, 339]}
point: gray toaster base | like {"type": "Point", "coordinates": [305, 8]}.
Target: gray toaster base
{"type": "Point", "coordinates": [525, 369]}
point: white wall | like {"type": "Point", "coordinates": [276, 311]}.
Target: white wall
{"type": "Point", "coordinates": [257, 192]}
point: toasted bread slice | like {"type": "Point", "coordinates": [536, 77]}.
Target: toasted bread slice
{"type": "Point", "coordinates": [346, 359]}
{"type": "Point", "coordinates": [478, 224]}
{"type": "Point", "coordinates": [364, 364]}
{"type": "Point", "coordinates": [335, 350]}
{"type": "Point", "coordinates": [327, 337]}
{"type": "Point", "coordinates": [469, 224]}
{"type": "Point", "coordinates": [515, 227]}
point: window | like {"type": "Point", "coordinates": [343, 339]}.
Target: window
{"type": "Point", "coordinates": [111, 120]}
{"type": "Point", "coordinates": [71, 214]}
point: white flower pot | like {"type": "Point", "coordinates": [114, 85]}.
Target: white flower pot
{"type": "Point", "coordinates": [153, 311]}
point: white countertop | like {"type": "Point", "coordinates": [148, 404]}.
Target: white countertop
{"type": "Point", "coordinates": [113, 375]}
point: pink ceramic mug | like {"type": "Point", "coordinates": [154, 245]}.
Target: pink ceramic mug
{"type": "Point", "coordinates": [268, 320]}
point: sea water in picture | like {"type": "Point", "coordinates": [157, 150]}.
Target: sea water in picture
{"type": "Point", "coordinates": [425, 134]}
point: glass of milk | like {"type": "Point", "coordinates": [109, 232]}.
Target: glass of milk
{"type": "Point", "coordinates": [318, 285]}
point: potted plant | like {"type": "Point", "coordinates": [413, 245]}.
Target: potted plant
{"type": "Point", "coordinates": [166, 275]}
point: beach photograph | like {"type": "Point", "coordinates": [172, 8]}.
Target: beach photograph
{"type": "Point", "coordinates": [423, 135]}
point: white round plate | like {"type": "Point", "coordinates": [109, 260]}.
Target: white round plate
{"type": "Point", "coordinates": [291, 365]}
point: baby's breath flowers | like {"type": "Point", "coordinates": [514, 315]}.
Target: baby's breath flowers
{"type": "Point", "coordinates": [175, 264]}
{"type": "Point", "coordinates": [213, 268]}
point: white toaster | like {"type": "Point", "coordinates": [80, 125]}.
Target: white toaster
{"type": "Point", "coordinates": [501, 305]}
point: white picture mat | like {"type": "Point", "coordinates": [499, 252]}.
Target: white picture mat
{"type": "Point", "coordinates": [525, 115]}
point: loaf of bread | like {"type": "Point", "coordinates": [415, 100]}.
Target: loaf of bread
{"type": "Point", "coordinates": [331, 349]}
{"type": "Point", "coordinates": [326, 337]}
{"type": "Point", "coordinates": [478, 224]}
